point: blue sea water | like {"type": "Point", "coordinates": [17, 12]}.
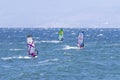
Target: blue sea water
{"type": "Point", "coordinates": [98, 60]}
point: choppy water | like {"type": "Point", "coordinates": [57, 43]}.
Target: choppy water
{"type": "Point", "coordinates": [99, 60]}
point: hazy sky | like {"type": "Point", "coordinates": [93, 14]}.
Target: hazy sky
{"type": "Point", "coordinates": [60, 13]}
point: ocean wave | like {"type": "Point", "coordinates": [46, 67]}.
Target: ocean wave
{"type": "Point", "coordinates": [16, 49]}
{"type": "Point", "coordinates": [73, 33]}
{"type": "Point", "coordinates": [67, 47]}
{"type": "Point", "coordinates": [101, 30]}
{"type": "Point", "coordinates": [16, 57]}
{"type": "Point", "coordinates": [37, 37]}
{"type": "Point", "coordinates": [68, 54]}
{"type": "Point", "coordinates": [87, 35]}
{"type": "Point", "coordinates": [6, 66]}
{"type": "Point", "coordinates": [56, 33]}
{"type": "Point", "coordinates": [48, 60]}
{"type": "Point", "coordinates": [100, 35]}
{"type": "Point", "coordinates": [112, 45]}
{"type": "Point", "coordinates": [52, 41]}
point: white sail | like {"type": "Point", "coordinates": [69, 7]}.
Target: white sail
{"type": "Point", "coordinates": [81, 40]}
{"type": "Point", "coordinates": [31, 46]}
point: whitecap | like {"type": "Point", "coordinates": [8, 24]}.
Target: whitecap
{"type": "Point", "coordinates": [16, 57]}
{"type": "Point", "coordinates": [100, 35]}
{"type": "Point", "coordinates": [16, 49]}
{"type": "Point", "coordinates": [73, 33]}
{"type": "Point", "coordinates": [87, 35]}
{"type": "Point", "coordinates": [23, 57]}
{"type": "Point", "coordinates": [52, 41]}
{"type": "Point", "coordinates": [36, 37]}
{"type": "Point", "coordinates": [67, 54]}
{"type": "Point", "coordinates": [6, 58]}
{"type": "Point", "coordinates": [45, 61]}
{"type": "Point", "coordinates": [67, 47]}
{"type": "Point", "coordinates": [48, 60]}
{"type": "Point", "coordinates": [41, 74]}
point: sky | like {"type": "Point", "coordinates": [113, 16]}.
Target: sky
{"type": "Point", "coordinates": [60, 13]}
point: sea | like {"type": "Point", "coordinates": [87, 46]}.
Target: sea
{"type": "Point", "coordinates": [60, 60]}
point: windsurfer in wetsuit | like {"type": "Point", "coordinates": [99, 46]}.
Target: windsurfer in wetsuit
{"type": "Point", "coordinates": [61, 34]}
{"type": "Point", "coordinates": [31, 46]}
{"type": "Point", "coordinates": [81, 39]}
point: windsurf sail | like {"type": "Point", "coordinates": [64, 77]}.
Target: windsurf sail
{"type": "Point", "coordinates": [81, 40]}
{"type": "Point", "coordinates": [60, 37]}
{"type": "Point", "coordinates": [32, 51]}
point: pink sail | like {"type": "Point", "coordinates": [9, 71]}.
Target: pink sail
{"type": "Point", "coordinates": [31, 46]}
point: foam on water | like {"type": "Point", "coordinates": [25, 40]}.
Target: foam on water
{"type": "Point", "coordinates": [100, 35]}
{"type": "Point", "coordinates": [16, 57]}
{"type": "Point", "coordinates": [68, 54]}
{"type": "Point", "coordinates": [67, 47]}
{"type": "Point", "coordinates": [16, 49]}
{"type": "Point", "coordinates": [87, 35]}
{"type": "Point", "coordinates": [48, 60]}
{"type": "Point", "coordinates": [52, 41]}
{"type": "Point", "coordinates": [101, 30]}
{"type": "Point", "coordinates": [36, 37]}
{"type": "Point", "coordinates": [73, 33]}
